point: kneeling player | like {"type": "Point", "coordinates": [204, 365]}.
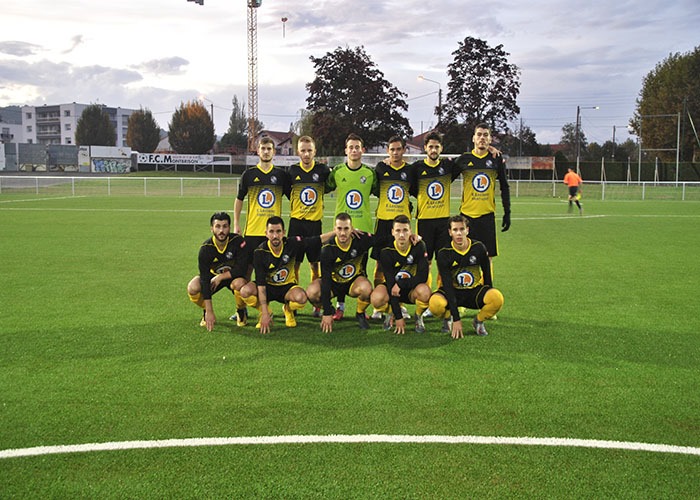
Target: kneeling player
{"type": "Point", "coordinates": [466, 281]}
{"type": "Point", "coordinates": [405, 268]}
{"type": "Point", "coordinates": [222, 264]}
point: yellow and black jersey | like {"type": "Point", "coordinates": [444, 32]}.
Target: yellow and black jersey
{"type": "Point", "coordinates": [213, 261]}
{"type": "Point", "coordinates": [343, 265]}
{"type": "Point", "coordinates": [463, 270]}
{"type": "Point", "coordinates": [431, 186]}
{"type": "Point", "coordinates": [278, 269]}
{"type": "Point", "coordinates": [394, 188]}
{"type": "Point", "coordinates": [264, 191]}
{"type": "Point", "coordinates": [406, 269]}
{"type": "Point", "coordinates": [307, 189]}
{"type": "Point", "coordinates": [479, 175]}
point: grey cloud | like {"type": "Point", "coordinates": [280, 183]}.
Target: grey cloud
{"type": "Point", "coordinates": [166, 66]}
{"type": "Point", "coordinates": [19, 49]}
{"type": "Point", "coordinates": [76, 40]}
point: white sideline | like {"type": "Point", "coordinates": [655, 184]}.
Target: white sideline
{"type": "Point", "coordinates": [347, 438]}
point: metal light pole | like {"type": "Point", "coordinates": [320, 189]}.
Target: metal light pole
{"type": "Point", "coordinates": [203, 98]}
{"type": "Point", "coordinates": [421, 77]}
{"type": "Point", "coordinates": [613, 139]}
{"type": "Point", "coordinates": [578, 133]}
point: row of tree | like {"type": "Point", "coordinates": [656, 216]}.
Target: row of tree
{"type": "Point", "coordinates": [350, 94]}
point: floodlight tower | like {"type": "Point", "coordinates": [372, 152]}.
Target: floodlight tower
{"type": "Point", "coordinates": [252, 71]}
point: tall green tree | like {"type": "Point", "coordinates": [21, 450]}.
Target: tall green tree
{"type": "Point", "coordinates": [672, 87]}
{"type": "Point", "coordinates": [191, 130]}
{"type": "Point", "coordinates": [568, 140]}
{"type": "Point", "coordinates": [94, 128]}
{"type": "Point", "coordinates": [350, 94]}
{"type": "Point", "coordinates": [143, 133]}
{"type": "Point", "coordinates": [483, 87]}
{"type": "Point", "coordinates": [521, 142]}
{"type": "Point", "coordinates": [237, 134]}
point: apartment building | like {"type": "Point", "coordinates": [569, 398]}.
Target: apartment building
{"type": "Point", "coordinates": [56, 124]}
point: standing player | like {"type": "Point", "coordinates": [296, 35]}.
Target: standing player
{"type": "Point", "coordinates": [274, 262]}
{"type": "Point", "coordinates": [574, 181]}
{"type": "Point", "coordinates": [354, 182]}
{"type": "Point", "coordinates": [431, 182]}
{"type": "Point", "coordinates": [406, 270]}
{"type": "Point", "coordinates": [343, 272]}
{"type": "Point", "coordinates": [466, 281]}
{"type": "Point", "coordinates": [264, 185]}
{"type": "Point", "coordinates": [480, 171]}
{"type": "Point", "coordinates": [307, 180]}
{"type": "Point", "coordinates": [222, 264]}
{"type": "Point", "coordinates": [394, 186]}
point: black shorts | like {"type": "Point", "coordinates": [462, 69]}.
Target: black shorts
{"type": "Point", "coordinates": [342, 289]}
{"type": "Point", "coordinates": [251, 243]}
{"type": "Point", "coordinates": [471, 298]}
{"type": "Point", "coordinates": [277, 293]}
{"type": "Point", "coordinates": [483, 229]}
{"type": "Point", "coordinates": [382, 228]}
{"type": "Point", "coordinates": [434, 233]}
{"type": "Point", "coordinates": [223, 285]}
{"type": "Point", "coordinates": [573, 191]}
{"type": "Point", "coordinates": [304, 228]}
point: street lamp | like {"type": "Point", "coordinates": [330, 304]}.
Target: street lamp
{"type": "Point", "coordinates": [578, 132]}
{"type": "Point", "coordinates": [421, 77]}
{"type": "Point", "coordinates": [613, 140]}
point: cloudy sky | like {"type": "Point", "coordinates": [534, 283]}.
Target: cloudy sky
{"type": "Point", "coordinates": [157, 53]}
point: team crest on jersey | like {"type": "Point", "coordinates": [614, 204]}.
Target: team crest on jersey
{"type": "Point", "coordinates": [281, 275]}
{"type": "Point", "coordinates": [403, 275]}
{"type": "Point", "coordinates": [285, 258]}
{"type": "Point", "coordinates": [395, 194]}
{"type": "Point", "coordinates": [347, 271]}
{"type": "Point", "coordinates": [436, 190]}
{"type": "Point", "coordinates": [441, 171]}
{"type": "Point", "coordinates": [314, 177]}
{"type": "Point", "coordinates": [409, 259]}
{"type": "Point", "coordinates": [353, 199]}
{"type": "Point", "coordinates": [266, 198]}
{"type": "Point", "coordinates": [273, 179]}
{"type": "Point", "coordinates": [353, 253]}
{"type": "Point", "coordinates": [465, 279]}
{"type": "Point", "coordinates": [481, 182]}
{"type": "Point", "coordinates": [228, 255]}
{"type": "Point", "coordinates": [308, 196]}
{"type": "Point", "coordinates": [363, 180]}
{"type": "Point", "coordinates": [472, 259]}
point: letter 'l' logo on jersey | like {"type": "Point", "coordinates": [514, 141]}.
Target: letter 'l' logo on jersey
{"type": "Point", "coordinates": [353, 199]}
{"type": "Point", "coordinates": [481, 182]}
{"type": "Point", "coordinates": [266, 198]}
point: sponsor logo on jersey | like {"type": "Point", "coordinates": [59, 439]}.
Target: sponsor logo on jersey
{"type": "Point", "coordinates": [281, 275]}
{"type": "Point", "coordinates": [395, 194]}
{"type": "Point", "coordinates": [465, 279]}
{"type": "Point", "coordinates": [435, 190]}
{"type": "Point", "coordinates": [481, 182]}
{"type": "Point", "coordinates": [347, 271]}
{"type": "Point", "coordinates": [308, 196]}
{"type": "Point", "coordinates": [353, 199]}
{"type": "Point", "coordinates": [266, 198]}
{"type": "Point", "coordinates": [403, 275]}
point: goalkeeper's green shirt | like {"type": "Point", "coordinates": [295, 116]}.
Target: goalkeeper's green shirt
{"type": "Point", "coordinates": [353, 189]}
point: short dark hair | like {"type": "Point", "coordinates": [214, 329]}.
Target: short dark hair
{"type": "Point", "coordinates": [343, 216]}
{"type": "Point", "coordinates": [274, 220]}
{"type": "Point", "coordinates": [400, 219]}
{"type": "Point", "coordinates": [354, 137]}
{"type": "Point", "coordinates": [220, 216]}
{"type": "Point", "coordinates": [482, 125]}
{"type": "Point", "coordinates": [457, 219]}
{"type": "Point", "coordinates": [396, 138]}
{"type": "Point", "coordinates": [432, 136]}
{"type": "Point", "coordinates": [266, 140]}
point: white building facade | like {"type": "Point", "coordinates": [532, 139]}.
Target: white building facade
{"type": "Point", "coordinates": [56, 124]}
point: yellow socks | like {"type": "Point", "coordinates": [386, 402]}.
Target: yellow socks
{"type": "Point", "coordinates": [421, 307]}
{"type": "Point", "coordinates": [493, 301]}
{"type": "Point", "coordinates": [197, 299]}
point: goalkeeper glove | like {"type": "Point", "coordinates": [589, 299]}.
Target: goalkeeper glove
{"type": "Point", "coordinates": [506, 222]}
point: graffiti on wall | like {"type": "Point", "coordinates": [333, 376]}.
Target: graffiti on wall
{"type": "Point", "coordinates": [111, 165]}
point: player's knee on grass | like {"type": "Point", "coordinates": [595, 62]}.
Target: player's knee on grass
{"type": "Point", "coordinates": [379, 297]}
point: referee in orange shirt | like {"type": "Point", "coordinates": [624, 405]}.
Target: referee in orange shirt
{"type": "Point", "coordinates": [574, 181]}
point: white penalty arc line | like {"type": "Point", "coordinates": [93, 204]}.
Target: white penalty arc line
{"type": "Point", "coordinates": [347, 438]}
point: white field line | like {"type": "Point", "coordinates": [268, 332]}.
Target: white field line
{"type": "Point", "coordinates": [345, 438]}
{"type": "Point", "coordinates": [43, 199]}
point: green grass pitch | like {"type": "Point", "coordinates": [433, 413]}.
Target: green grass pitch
{"type": "Point", "coordinates": [598, 339]}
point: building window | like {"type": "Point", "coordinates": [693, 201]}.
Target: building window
{"type": "Point", "coordinates": [66, 112]}
{"type": "Point", "coordinates": [30, 141]}
{"type": "Point", "coordinates": [29, 116]}
{"type": "Point", "coordinates": [68, 140]}
{"type": "Point", "coordinates": [29, 128]}
{"type": "Point", "coordinates": [67, 126]}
